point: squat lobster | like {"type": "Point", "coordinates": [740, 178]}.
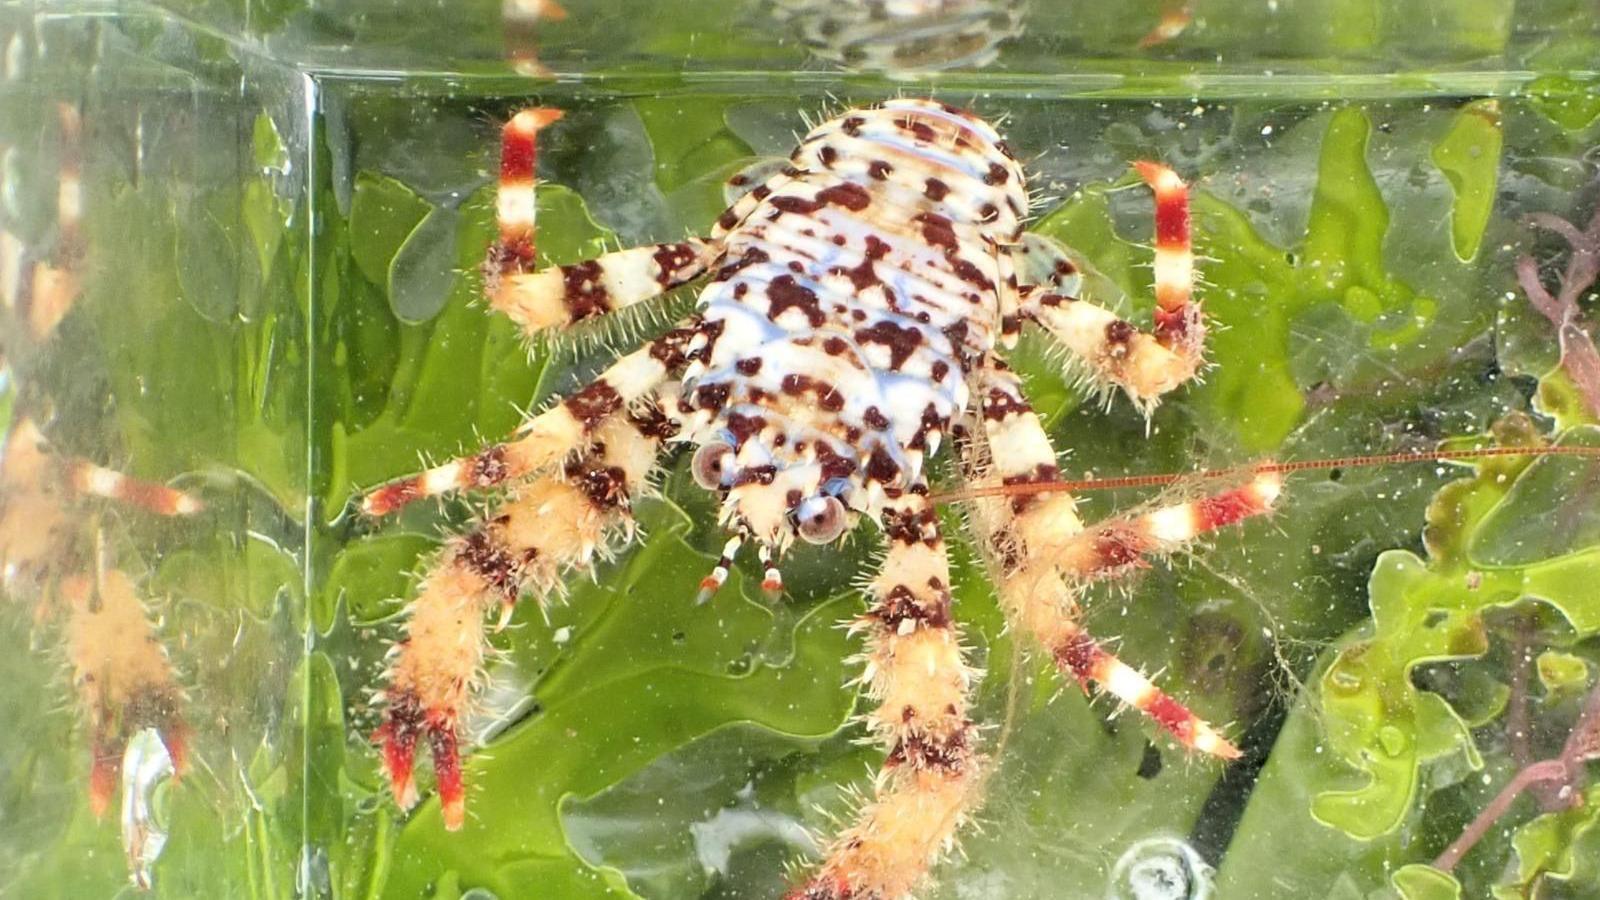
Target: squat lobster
{"type": "Point", "coordinates": [854, 314]}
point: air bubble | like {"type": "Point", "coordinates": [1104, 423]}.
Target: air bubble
{"type": "Point", "coordinates": [1163, 868]}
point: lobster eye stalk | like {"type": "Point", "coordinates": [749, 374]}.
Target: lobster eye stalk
{"type": "Point", "coordinates": [820, 520]}
{"type": "Point", "coordinates": [707, 465]}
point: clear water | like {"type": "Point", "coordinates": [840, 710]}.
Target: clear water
{"type": "Point", "coordinates": [283, 208]}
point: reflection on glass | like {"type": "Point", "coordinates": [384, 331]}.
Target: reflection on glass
{"type": "Point", "coordinates": [903, 36]}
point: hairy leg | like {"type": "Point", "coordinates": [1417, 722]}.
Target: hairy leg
{"type": "Point", "coordinates": [554, 434]}
{"type": "Point", "coordinates": [1045, 555]}
{"type": "Point", "coordinates": [122, 676]}
{"type": "Point", "coordinates": [1145, 365]}
{"type": "Point", "coordinates": [559, 296]}
{"type": "Point", "coordinates": [916, 673]}
{"type": "Point", "coordinates": [550, 525]}
{"type": "Point", "coordinates": [37, 490]}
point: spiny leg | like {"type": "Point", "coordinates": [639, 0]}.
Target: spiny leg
{"type": "Point", "coordinates": [1112, 547]}
{"type": "Point", "coordinates": [1045, 556]}
{"type": "Point", "coordinates": [92, 480]}
{"type": "Point", "coordinates": [552, 524]}
{"type": "Point", "coordinates": [122, 675]}
{"type": "Point", "coordinates": [559, 296]}
{"type": "Point", "coordinates": [916, 673]}
{"type": "Point", "coordinates": [37, 514]}
{"type": "Point", "coordinates": [555, 433]}
{"type": "Point", "coordinates": [1114, 351]}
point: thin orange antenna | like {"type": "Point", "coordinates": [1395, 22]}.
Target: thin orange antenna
{"type": "Point", "coordinates": [1282, 468]}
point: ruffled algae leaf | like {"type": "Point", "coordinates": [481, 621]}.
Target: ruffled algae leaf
{"type": "Point", "coordinates": [1376, 718]}
{"type": "Point", "coordinates": [1469, 156]}
{"type": "Point", "coordinates": [1419, 882]}
{"type": "Point", "coordinates": [1562, 845]}
{"type": "Point", "coordinates": [1350, 775]}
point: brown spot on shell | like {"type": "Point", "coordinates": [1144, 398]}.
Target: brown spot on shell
{"type": "Point", "coordinates": [797, 205]}
{"type": "Point", "coordinates": [750, 257]}
{"type": "Point", "coordinates": [918, 129]}
{"type": "Point", "coordinates": [902, 342]}
{"type": "Point", "coordinates": [712, 397]}
{"type": "Point", "coordinates": [938, 231]}
{"type": "Point", "coordinates": [881, 467]}
{"type": "Point", "coordinates": [847, 194]}
{"type": "Point", "coordinates": [784, 294]}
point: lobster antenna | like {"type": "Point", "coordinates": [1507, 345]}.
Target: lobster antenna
{"type": "Point", "coordinates": [975, 492]}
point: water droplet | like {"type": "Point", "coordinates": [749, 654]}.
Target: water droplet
{"type": "Point", "coordinates": [1393, 741]}
{"type": "Point", "coordinates": [479, 893]}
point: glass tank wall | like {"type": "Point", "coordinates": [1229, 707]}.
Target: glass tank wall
{"type": "Point", "coordinates": [241, 274]}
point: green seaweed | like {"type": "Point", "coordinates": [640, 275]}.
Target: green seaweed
{"type": "Point", "coordinates": [1469, 155]}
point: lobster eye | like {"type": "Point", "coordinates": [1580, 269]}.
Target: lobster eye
{"type": "Point", "coordinates": [707, 464]}
{"type": "Point", "coordinates": [820, 520]}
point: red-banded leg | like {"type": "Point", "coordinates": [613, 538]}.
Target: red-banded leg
{"type": "Point", "coordinates": [560, 296]}
{"type": "Point", "coordinates": [554, 434]}
{"type": "Point", "coordinates": [93, 480]}
{"type": "Point", "coordinates": [1114, 352]}
{"type": "Point", "coordinates": [548, 526]}
{"type": "Point", "coordinates": [36, 490]}
{"type": "Point", "coordinates": [916, 673]}
{"type": "Point", "coordinates": [1045, 556]}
